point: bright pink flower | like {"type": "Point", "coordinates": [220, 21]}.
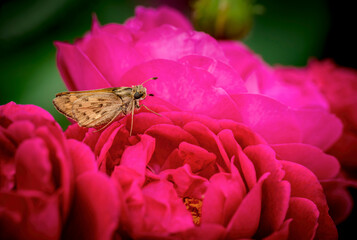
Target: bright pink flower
{"type": "Point", "coordinates": [222, 80]}
{"type": "Point", "coordinates": [220, 170]}
{"type": "Point", "coordinates": [37, 182]}
{"type": "Point", "coordinates": [320, 85]}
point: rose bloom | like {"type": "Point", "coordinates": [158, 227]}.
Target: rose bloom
{"type": "Point", "coordinates": [222, 150]}
{"type": "Point", "coordinates": [322, 84]}
{"type": "Point", "coordinates": [39, 192]}
{"type": "Point", "coordinates": [184, 175]}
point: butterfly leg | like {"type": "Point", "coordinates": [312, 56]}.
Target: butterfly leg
{"type": "Point", "coordinates": [132, 118]}
{"type": "Point", "coordinates": [142, 105]}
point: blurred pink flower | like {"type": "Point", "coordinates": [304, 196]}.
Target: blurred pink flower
{"type": "Point", "coordinates": [36, 179]}
{"type": "Point", "coordinates": [222, 80]}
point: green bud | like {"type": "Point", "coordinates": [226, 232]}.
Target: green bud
{"type": "Point", "coordinates": [224, 19]}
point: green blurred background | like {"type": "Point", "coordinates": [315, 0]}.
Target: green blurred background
{"type": "Point", "coordinates": [288, 33]}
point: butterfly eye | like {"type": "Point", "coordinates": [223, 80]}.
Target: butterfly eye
{"type": "Point", "coordinates": [138, 95]}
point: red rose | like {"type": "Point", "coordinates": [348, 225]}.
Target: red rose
{"type": "Point", "coordinates": [222, 80]}
{"type": "Point", "coordinates": [182, 170]}
{"type": "Point", "coordinates": [40, 197]}
{"type": "Point", "coordinates": [36, 174]}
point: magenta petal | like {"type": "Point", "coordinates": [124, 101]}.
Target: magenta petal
{"type": "Point", "coordinates": [205, 231]}
{"type": "Point", "coordinates": [339, 200]}
{"type": "Point", "coordinates": [271, 119]}
{"type": "Point", "coordinates": [136, 157]}
{"type": "Point", "coordinates": [111, 56]}
{"type": "Point", "coordinates": [176, 83]}
{"type": "Point", "coordinates": [276, 193]}
{"type": "Point", "coordinates": [245, 220]}
{"type": "Point", "coordinates": [282, 233]}
{"type": "Point", "coordinates": [226, 77]}
{"type": "Point", "coordinates": [95, 210]}
{"type": "Point", "coordinates": [225, 192]}
{"type": "Point", "coordinates": [319, 127]}
{"type": "Point", "coordinates": [21, 130]}
{"type": "Point", "coordinates": [82, 157]}
{"type": "Point", "coordinates": [304, 184]}
{"type": "Point", "coordinates": [168, 42]}
{"type": "Point", "coordinates": [167, 137]}
{"type": "Point", "coordinates": [172, 209]}
{"type": "Point", "coordinates": [15, 111]}
{"type": "Point", "coordinates": [33, 166]}
{"type": "Point", "coordinates": [324, 166]}
{"type": "Point", "coordinates": [148, 18]}
{"type": "Point", "coordinates": [144, 120]}
{"type": "Point", "coordinates": [208, 140]}
{"type": "Point", "coordinates": [77, 70]}
{"type": "Point", "coordinates": [185, 182]}
{"type": "Point", "coordinates": [304, 214]}
{"type": "Point", "coordinates": [263, 158]}
{"type": "Point", "coordinates": [244, 165]}
{"type": "Point", "coordinates": [29, 215]}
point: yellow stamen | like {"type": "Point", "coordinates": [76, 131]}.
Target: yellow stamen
{"type": "Point", "coordinates": [194, 206]}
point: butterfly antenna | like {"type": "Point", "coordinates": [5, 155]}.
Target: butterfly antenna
{"type": "Point", "coordinates": [153, 78]}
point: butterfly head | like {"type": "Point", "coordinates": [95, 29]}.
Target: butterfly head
{"type": "Point", "coordinates": [139, 92]}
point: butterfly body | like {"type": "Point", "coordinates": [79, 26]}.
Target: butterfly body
{"type": "Point", "coordinates": [95, 108]}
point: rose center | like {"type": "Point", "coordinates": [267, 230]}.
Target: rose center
{"type": "Point", "coordinates": [194, 206]}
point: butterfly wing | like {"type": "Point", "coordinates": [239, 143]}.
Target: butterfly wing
{"type": "Point", "coordinates": [96, 109]}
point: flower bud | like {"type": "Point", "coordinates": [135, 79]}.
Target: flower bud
{"type": "Point", "coordinates": [224, 19]}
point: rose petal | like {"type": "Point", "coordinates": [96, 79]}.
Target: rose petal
{"type": "Point", "coordinates": [205, 231]}
{"type": "Point", "coordinates": [75, 66]}
{"type": "Point", "coordinates": [137, 156]}
{"type": "Point", "coordinates": [106, 52]}
{"type": "Point", "coordinates": [25, 112]}
{"type": "Point", "coordinates": [225, 192]}
{"type": "Point", "coordinates": [168, 42]}
{"type": "Point", "coordinates": [322, 165]}
{"type": "Point", "coordinates": [185, 182]}
{"type": "Point", "coordinates": [208, 140]}
{"type": "Point", "coordinates": [33, 166]}
{"type": "Point", "coordinates": [148, 18]}
{"type": "Point", "coordinates": [319, 128]}
{"type": "Point", "coordinates": [168, 137]}
{"type": "Point", "coordinates": [162, 203]}
{"type": "Point", "coordinates": [226, 77]}
{"type": "Point", "coordinates": [95, 210]}
{"type": "Point", "coordinates": [339, 200]}
{"type": "Point", "coordinates": [276, 193]}
{"type": "Point", "coordinates": [243, 164]}
{"type": "Point", "coordinates": [21, 130]}
{"type": "Point", "coordinates": [304, 184]}
{"type": "Point", "coordinates": [82, 158]}
{"type": "Point", "coordinates": [305, 215]}
{"type": "Point", "coordinates": [274, 121]}
{"type": "Point", "coordinates": [245, 220]}
{"type": "Point", "coordinates": [176, 84]}
{"type": "Point", "coordinates": [282, 233]}
{"type": "Point", "coordinates": [36, 214]}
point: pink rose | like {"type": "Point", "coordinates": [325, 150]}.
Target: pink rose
{"type": "Point", "coordinates": [184, 170]}
{"type": "Point", "coordinates": [35, 170]}
{"type": "Point", "coordinates": [206, 80]}
{"type": "Point", "coordinates": [37, 183]}
{"type": "Point", "coordinates": [197, 74]}
{"type": "Point", "coordinates": [320, 85]}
